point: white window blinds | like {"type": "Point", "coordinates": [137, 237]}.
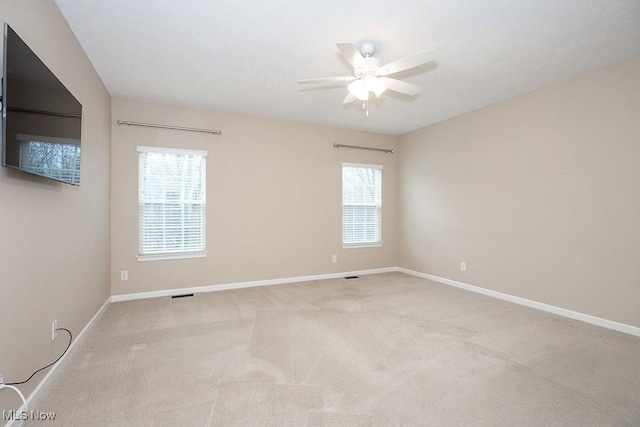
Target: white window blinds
{"type": "Point", "coordinates": [361, 204]}
{"type": "Point", "coordinates": [171, 201]}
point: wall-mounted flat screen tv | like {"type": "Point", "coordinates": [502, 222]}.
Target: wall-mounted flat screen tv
{"type": "Point", "coordinates": [41, 119]}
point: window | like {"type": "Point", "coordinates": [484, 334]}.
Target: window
{"type": "Point", "coordinates": [361, 205]}
{"type": "Point", "coordinates": [171, 202]}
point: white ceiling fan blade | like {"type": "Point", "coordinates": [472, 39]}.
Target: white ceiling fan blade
{"type": "Point", "coordinates": [349, 98]}
{"type": "Point", "coordinates": [380, 90]}
{"type": "Point", "coordinates": [328, 80]}
{"type": "Point", "coordinates": [352, 54]}
{"type": "Point", "coordinates": [400, 86]}
{"type": "Point", "coordinates": [407, 62]}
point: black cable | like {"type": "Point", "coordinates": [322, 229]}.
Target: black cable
{"type": "Point", "coordinates": [51, 364]}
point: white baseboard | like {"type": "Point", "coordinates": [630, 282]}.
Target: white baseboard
{"type": "Point", "coordinates": [610, 324]}
{"type": "Point", "coordinates": [251, 284]}
{"type": "Point", "coordinates": [17, 423]}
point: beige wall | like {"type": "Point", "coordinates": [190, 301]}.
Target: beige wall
{"type": "Point", "coordinates": [54, 244]}
{"type": "Point", "coordinates": [539, 195]}
{"type": "Point", "coordinates": [273, 198]}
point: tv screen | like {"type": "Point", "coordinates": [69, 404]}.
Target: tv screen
{"type": "Point", "coordinates": [41, 119]}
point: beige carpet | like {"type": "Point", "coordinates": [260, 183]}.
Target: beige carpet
{"type": "Point", "coordinates": [387, 349]}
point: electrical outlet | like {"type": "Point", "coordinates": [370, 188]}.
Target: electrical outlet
{"type": "Point", "coordinates": [463, 266]}
{"type": "Point", "coordinates": [124, 275]}
{"type": "Point", "coordinates": [334, 258]}
{"type": "Point", "coordinates": [54, 332]}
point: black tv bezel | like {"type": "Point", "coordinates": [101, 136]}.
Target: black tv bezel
{"type": "Point", "coordinates": [4, 92]}
{"type": "Point", "coordinates": [5, 67]}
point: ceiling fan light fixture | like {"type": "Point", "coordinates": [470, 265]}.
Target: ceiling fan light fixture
{"type": "Point", "coordinates": [359, 90]}
{"type": "Point", "coordinates": [373, 84]}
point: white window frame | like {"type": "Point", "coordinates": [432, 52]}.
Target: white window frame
{"type": "Point", "coordinates": [363, 244]}
{"type": "Point", "coordinates": [164, 255]}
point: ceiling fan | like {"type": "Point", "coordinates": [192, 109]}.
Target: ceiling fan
{"type": "Point", "coordinates": [369, 76]}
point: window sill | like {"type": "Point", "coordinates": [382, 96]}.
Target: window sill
{"type": "Point", "coordinates": [362, 245]}
{"type": "Point", "coordinates": [165, 257]}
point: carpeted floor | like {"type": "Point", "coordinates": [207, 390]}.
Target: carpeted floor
{"type": "Point", "coordinates": [388, 349]}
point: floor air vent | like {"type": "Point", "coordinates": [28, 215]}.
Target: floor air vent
{"type": "Point", "coordinates": [352, 277]}
{"type": "Point", "coordinates": [181, 296]}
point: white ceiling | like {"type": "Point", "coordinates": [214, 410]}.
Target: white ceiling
{"type": "Point", "coordinates": [247, 56]}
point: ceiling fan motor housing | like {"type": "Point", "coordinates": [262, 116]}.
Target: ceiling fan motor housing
{"type": "Point", "coordinates": [371, 67]}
